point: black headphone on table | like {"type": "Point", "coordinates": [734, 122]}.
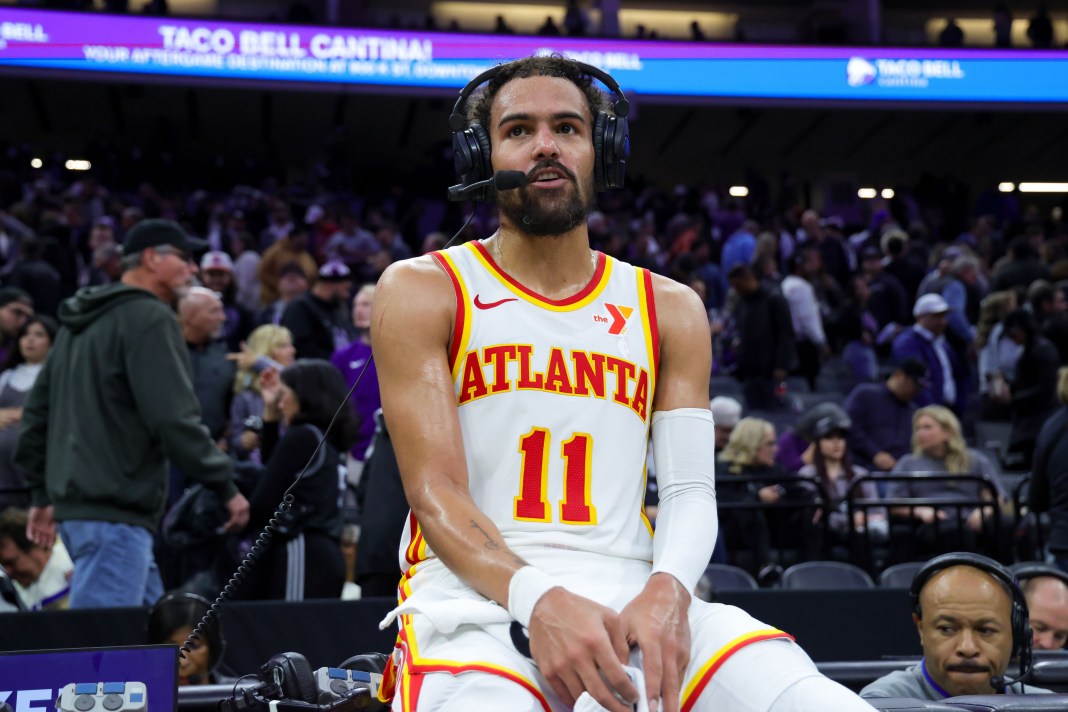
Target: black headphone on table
{"type": "Point", "coordinates": [1022, 647]}
{"type": "Point", "coordinates": [611, 136]}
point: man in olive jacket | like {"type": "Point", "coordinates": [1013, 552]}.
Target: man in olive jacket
{"type": "Point", "coordinates": [113, 403]}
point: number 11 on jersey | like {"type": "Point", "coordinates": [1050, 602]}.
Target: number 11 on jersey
{"type": "Point", "coordinates": [531, 505]}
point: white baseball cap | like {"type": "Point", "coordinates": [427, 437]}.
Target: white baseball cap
{"type": "Point", "coordinates": [930, 304]}
{"type": "Point", "coordinates": [216, 260]}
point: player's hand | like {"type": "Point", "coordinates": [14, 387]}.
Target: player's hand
{"type": "Point", "coordinates": [41, 527]}
{"type": "Point", "coordinates": [238, 508]}
{"type": "Point", "coordinates": [657, 621]}
{"type": "Point", "coordinates": [580, 646]}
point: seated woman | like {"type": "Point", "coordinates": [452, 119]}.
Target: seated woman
{"type": "Point", "coordinates": [20, 371]}
{"type": "Point", "coordinates": [172, 620]}
{"type": "Point", "coordinates": [749, 453]}
{"type": "Point", "coordinates": [939, 448]}
{"type": "Point", "coordinates": [303, 559]}
{"type": "Point", "coordinates": [268, 345]}
{"type": "Point", "coordinates": [832, 467]}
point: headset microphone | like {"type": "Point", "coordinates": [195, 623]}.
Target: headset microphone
{"type": "Point", "coordinates": [1001, 682]}
{"type": "Point", "coordinates": [501, 180]}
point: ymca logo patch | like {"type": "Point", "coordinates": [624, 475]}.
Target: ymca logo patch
{"type": "Point", "coordinates": [616, 319]}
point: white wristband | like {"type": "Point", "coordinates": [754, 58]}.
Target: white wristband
{"type": "Point", "coordinates": [527, 586]}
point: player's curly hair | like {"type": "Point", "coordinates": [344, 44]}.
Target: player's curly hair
{"type": "Point", "coordinates": [554, 65]}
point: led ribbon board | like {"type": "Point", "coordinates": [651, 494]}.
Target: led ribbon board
{"type": "Point", "coordinates": [93, 42]}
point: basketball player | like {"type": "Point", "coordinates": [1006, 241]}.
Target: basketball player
{"type": "Point", "coordinates": [520, 377]}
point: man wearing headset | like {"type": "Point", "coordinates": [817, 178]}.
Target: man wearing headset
{"type": "Point", "coordinates": [520, 376]}
{"type": "Point", "coordinates": [972, 621]}
{"type": "Point", "coordinates": [1046, 590]}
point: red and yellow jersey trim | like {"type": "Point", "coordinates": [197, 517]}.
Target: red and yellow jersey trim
{"type": "Point", "coordinates": [416, 550]}
{"type": "Point", "coordinates": [578, 300]}
{"type": "Point", "coordinates": [700, 680]}
{"type": "Point", "coordinates": [649, 327]}
{"type": "Point", "coordinates": [461, 330]}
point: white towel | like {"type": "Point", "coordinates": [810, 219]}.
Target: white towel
{"type": "Point", "coordinates": [446, 615]}
{"type": "Point", "coordinates": [586, 703]}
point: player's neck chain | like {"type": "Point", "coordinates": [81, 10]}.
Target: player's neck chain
{"type": "Point", "coordinates": [498, 257]}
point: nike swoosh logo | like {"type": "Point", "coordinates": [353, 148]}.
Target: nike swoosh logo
{"type": "Point", "coordinates": [482, 305]}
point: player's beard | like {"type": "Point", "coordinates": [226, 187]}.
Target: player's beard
{"type": "Point", "coordinates": [542, 213]}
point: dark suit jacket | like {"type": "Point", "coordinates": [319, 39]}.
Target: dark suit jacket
{"type": "Point", "coordinates": [910, 343]}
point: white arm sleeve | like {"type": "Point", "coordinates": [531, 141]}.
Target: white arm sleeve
{"type": "Point", "coordinates": [684, 454]}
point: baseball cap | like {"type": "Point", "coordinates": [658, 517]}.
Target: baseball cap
{"type": "Point", "coordinates": [216, 260]}
{"type": "Point", "coordinates": [828, 424]}
{"type": "Point", "coordinates": [14, 294]}
{"type": "Point", "coordinates": [930, 304]}
{"type": "Point", "coordinates": [156, 232]}
{"type": "Point", "coordinates": [915, 369]}
{"type": "Point", "coordinates": [726, 412]}
{"type": "Point", "coordinates": [829, 414]}
{"type": "Point", "coordinates": [334, 271]}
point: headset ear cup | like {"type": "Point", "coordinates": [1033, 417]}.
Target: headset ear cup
{"type": "Point", "coordinates": [298, 680]}
{"type": "Point", "coordinates": [485, 165]}
{"type": "Point", "coordinates": [461, 153]}
{"type": "Point", "coordinates": [617, 163]}
{"type": "Point", "coordinates": [599, 150]}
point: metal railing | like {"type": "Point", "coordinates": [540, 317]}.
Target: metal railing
{"type": "Point", "coordinates": [801, 498]}
{"type": "Point", "coordinates": [950, 530]}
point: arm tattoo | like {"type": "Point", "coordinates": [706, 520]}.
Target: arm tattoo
{"type": "Point", "coordinates": [490, 543]}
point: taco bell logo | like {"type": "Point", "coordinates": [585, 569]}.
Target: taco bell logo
{"type": "Point", "coordinates": [860, 72]}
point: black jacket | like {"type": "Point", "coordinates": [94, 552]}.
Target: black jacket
{"type": "Point", "coordinates": [1034, 391]}
{"type": "Point", "coordinates": [112, 405]}
{"type": "Point", "coordinates": [1049, 478]}
{"type": "Point", "coordinates": [765, 334]}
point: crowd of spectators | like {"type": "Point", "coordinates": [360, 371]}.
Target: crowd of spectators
{"type": "Point", "coordinates": [926, 319]}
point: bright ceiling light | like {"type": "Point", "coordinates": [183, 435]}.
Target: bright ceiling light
{"type": "Point", "coordinates": [887, 193]}
{"type": "Point", "coordinates": [36, 163]}
{"type": "Point", "coordinates": [1006, 186]}
{"type": "Point", "coordinates": [866, 193]}
{"type": "Point", "coordinates": [1044, 187]}
{"type": "Point", "coordinates": [739, 191]}
{"type": "Point", "coordinates": [75, 164]}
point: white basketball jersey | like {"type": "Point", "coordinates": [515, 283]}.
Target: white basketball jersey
{"type": "Point", "coordinates": [555, 400]}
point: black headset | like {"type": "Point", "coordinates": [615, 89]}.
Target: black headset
{"type": "Point", "coordinates": [611, 136]}
{"type": "Point", "coordinates": [1022, 647]}
{"type": "Point", "coordinates": [1036, 569]}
